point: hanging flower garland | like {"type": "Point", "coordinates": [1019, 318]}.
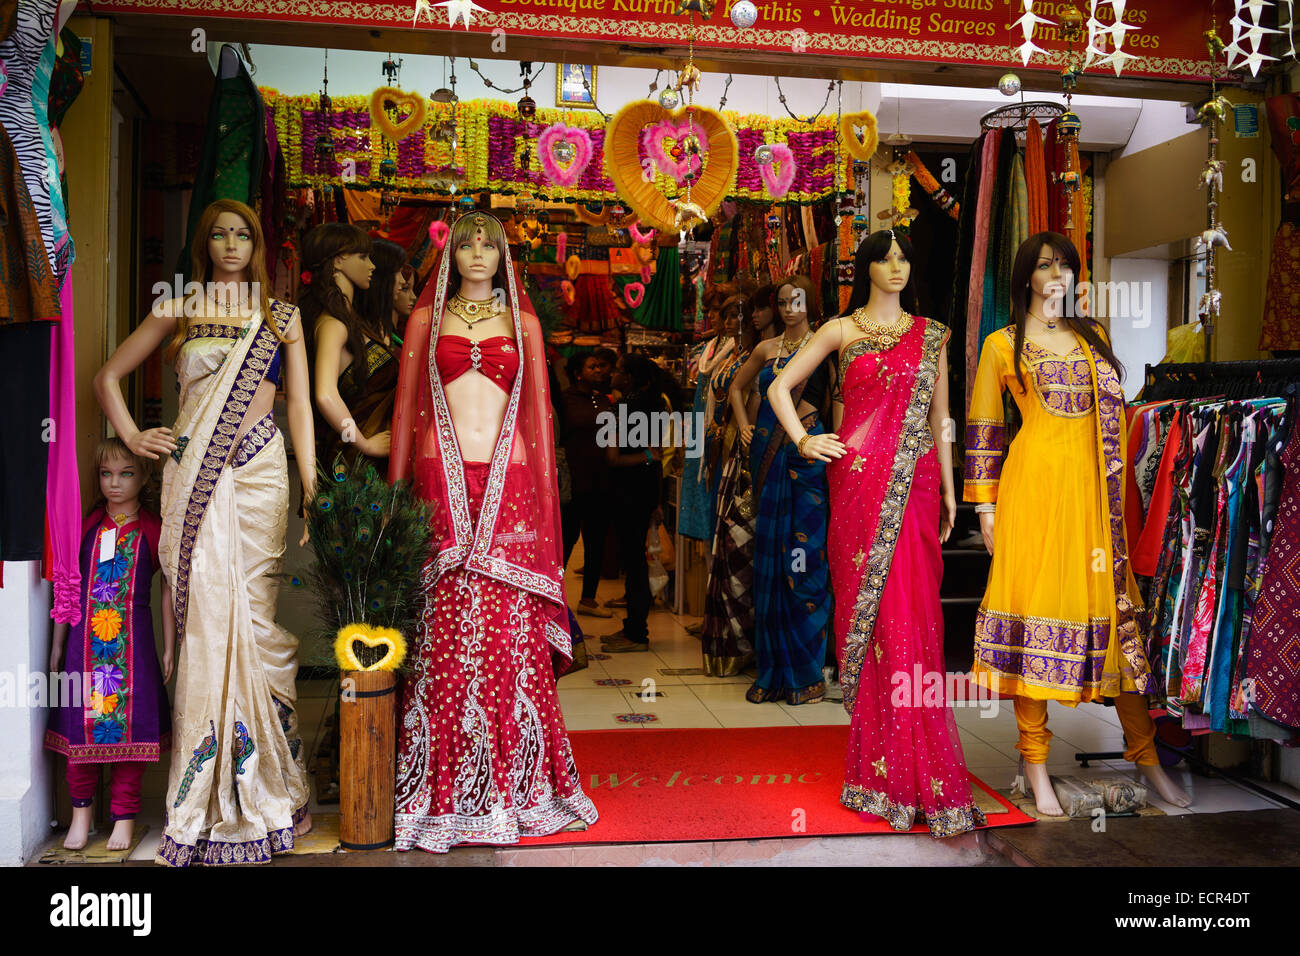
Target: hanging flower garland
{"type": "Point", "coordinates": [493, 142]}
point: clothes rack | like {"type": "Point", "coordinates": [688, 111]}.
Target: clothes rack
{"type": "Point", "coordinates": [1017, 116]}
{"type": "Point", "coordinates": [1232, 380]}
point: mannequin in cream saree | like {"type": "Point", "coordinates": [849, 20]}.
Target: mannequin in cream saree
{"type": "Point", "coordinates": [237, 783]}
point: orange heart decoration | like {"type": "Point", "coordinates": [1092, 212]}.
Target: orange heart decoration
{"type": "Point", "coordinates": [399, 98]}
{"type": "Point", "coordinates": [572, 266]}
{"type": "Point", "coordinates": [623, 163]}
{"type": "Point", "coordinates": [863, 147]}
{"type": "Point", "coordinates": [644, 254]}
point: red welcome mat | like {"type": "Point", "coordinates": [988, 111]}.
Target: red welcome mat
{"type": "Point", "coordinates": [707, 784]}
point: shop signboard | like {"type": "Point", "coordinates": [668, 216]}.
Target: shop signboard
{"type": "Point", "coordinates": [1165, 36]}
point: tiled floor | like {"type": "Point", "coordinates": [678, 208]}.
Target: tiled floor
{"type": "Point", "coordinates": [592, 701]}
{"type": "Point", "coordinates": [987, 728]}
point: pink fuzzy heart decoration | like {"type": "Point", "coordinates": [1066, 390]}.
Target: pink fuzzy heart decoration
{"type": "Point", "coordinates": [438, 232]}
{"type": "Point", "coordinates": [582, 151]}
{"type": "Point", "coordinates": [561, 245]}
{"type": "Point", "coordinates": [652, 139]}
{"type": "Point", "coordinates": [778, 183]}
{"type": "Point", "coordinates": [643, 238]}
{"type": "Point", "coordinates": [645, 273]}
{"type": "Point", "coordinates": [633, 293]}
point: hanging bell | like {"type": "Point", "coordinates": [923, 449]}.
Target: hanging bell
{"type": "Point", "coordinates": [774, 221]}
{"type": "Point", "coordinates": [324, 150]}
{"type": "Point", "coordinates": [859, 225]}
{"type": "Point", "coordinates": [388, 167]}
{"type": "Point", "coordinates": [325, 104]}
{"type": "Point", "coordinates": [444, 95]}
{"type": "Point", "coordinates": [1069, 125]}
{"type": "Point", "coordinates": [527, 108]}
{"type": "Point", "coordinates": [467, 201]}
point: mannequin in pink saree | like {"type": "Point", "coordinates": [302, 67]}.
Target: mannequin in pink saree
{"type": "Point", "coordinates": [890, 510]}
{"type": "Point", "coordinates": [483, 755]}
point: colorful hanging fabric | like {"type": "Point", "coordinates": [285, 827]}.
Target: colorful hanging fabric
{"type": "Point", "coordinates": [662, 307]}
{"type": "Point", "coordinates": [1035, 178]}
{"type": "Point", "coordinates": [979, 255]}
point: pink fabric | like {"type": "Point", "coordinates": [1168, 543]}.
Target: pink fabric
{"type": "Point", "coordinates": [903, 738]}
{"type": "Point", "coordinates": [979, 255]}
{"type": "Point", "coordinates": [123, 786]}
{"type": "Point", "coordinates": [63, 488]}
{"type": "Point", "coordinates": [876, 389]}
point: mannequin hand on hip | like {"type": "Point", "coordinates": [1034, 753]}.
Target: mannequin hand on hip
{"type": "Point", "coordinates": [986, 529]}
{"type": "Point", "coordinates": [949, 515]}
{"type": "Point", "coordinates": [376, 446]}
{"type": "Point", "coordinates": [823, 447]}
{"type": "Point", "coordinates": [151, 443]}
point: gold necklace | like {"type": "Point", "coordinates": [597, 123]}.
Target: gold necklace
{"type": "Point", "coordinates": [122, 518]}
{"type": "Point", "coordinates": [472, 310]}
{"type": "Point", "coordinates": [882, 336]}
{"type": "Point", "coordinates": [1051, 326]}
{"type": "Point", "coordinates": [786, 348]}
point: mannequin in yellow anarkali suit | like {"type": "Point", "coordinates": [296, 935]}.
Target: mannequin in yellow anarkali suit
{"type": "Point", "coordinates": [1061, 618]}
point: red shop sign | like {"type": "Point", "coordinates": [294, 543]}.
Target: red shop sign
{"type": "Point", "coordinates": [1167, 41]}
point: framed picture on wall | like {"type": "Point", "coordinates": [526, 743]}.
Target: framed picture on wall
{"type": "Point", "coordinates": [570, 92]}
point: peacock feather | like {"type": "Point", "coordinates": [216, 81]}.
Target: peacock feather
{"type": "Point", "coordinates": [371, 542]}
{"type": "Point", "coordinates": [202, 754]}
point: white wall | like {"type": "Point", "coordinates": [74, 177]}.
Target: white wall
{"type": "Point", "coordinates": [26, 779]}
{"type": "Point", "coordinates": [297, 71]}
{"type": "Point", "coordinates": [1158, 122]}
{"type": "Point", "coordinates": [1138, 334]}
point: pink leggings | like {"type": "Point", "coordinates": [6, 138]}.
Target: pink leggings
{"type": "Point", "coordinates": [123, 787]}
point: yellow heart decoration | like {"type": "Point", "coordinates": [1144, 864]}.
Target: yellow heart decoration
{"type": "Point", "coordinates": [360, 647]}
{"type": "Point", "coordinates": [572, 266]}
{"type": "Point", "coordinates": [623, 162]}
{"type": "Point", "coordinates": [862, 147]}
{"type": "Point", "coordinates": [399, 98]}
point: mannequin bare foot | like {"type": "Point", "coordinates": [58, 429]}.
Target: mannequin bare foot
{"type": "Point", "coordinates": [1169, 791]}
{"type": "Point", "coordinates": [303, 826]}
{"type": "Point", "coordinates": [79, 832]}
{"type": "Point", "coordinates": [120, 838]}
{"type": "Point", "coordinates": [1044, 796]}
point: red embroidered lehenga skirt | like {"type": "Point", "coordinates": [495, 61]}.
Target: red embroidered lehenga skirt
{"type": "Point", "coordinates": [483, 755]}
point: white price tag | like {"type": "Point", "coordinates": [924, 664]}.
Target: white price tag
{"type": "Point", "coordinates": [107, 544]}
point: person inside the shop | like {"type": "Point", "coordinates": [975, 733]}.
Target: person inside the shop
{"type": "Point", "coordinates": [225, 507]}
{"type": "Point", "coordinates": [634, 479]}
{"type": "Point", "coordinates": [587, 511]}
{"type": "Point", "coordinates": [792, 600]}
{"type": "Point", "coordinates": [1055, 622]}
{"type": "Point", "coordinates": [483, 754]}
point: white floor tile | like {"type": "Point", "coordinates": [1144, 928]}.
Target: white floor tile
{"type": "Point", "coordinates": [817, 715]}
{"type": "Point", "coordinates": [597, 722]}
{"type": "Point", "coordinates": [751, 715]}
{"type": "Point", "coordinates": [599, 700]}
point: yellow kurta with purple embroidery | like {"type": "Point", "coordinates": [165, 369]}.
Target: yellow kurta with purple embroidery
{"type": "Point", "coordinates": [1060, 617]}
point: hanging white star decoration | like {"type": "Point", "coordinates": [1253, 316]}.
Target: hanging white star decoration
{"type": "Point", "coordinates": [1248, 34]}
{"type": "Point", "coordinates": [462, 10]}
{"type": "Point", "coordinates": [1099, 33]}
{"type": "Point", "coordinates": [1027, 22]}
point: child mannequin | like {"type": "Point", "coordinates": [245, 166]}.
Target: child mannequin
{"type": "Point", "coordinates": [116, 708]}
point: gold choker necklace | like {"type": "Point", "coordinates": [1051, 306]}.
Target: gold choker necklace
{"type": "Point", "coordinates": [472, 310]}
{"type": "Point", "coordinates": [884, 337]}
{"type": "Point", "coordinates": [1051, 324]}
{"type": "Point", "coordinates": [789, 348]}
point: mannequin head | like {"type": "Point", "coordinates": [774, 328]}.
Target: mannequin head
{"type": "Point", "coordinates": [403, 296]}
{"type": "Point", "coordinates": [332, 254]}
{"type": "Point", "coordinates": [377, 303]}
{"type": "Point", "coordinates": [121, 477]}
{"type": "Point", "coordinates": [759, 314]}
{"type": "Point", "coordinates": [796, 302]}
{"type": "Point", "coordinates": [1043, 273]}
{"type": "Point", "coordinates": [227, 229]}
{"type": "Point", "coordinates": [478, 242]}
{"type": "Point", "coordinates": [338, 250]}
{"type": "Point", "coordinates": [883, 266]}
{"type": "Point", "coordinates": [729, 316]}
{"type": "Point", "coordinates": [1043, 276]}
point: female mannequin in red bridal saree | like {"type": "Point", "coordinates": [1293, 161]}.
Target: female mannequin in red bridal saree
{"type": "Point", "coordinates": [483, 756]}
{"type": "Point", "coordinates": [892, 504]}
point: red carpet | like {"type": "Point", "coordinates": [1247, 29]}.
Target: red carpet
{"type": "Point", "coordinates": [706, 784]}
